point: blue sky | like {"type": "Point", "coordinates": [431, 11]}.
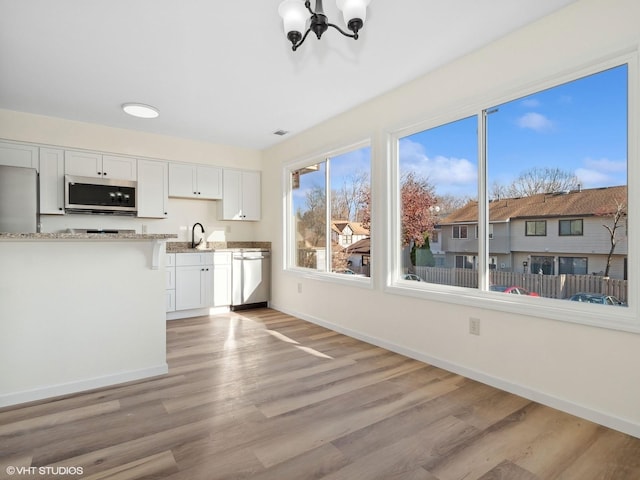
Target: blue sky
{"type": "Point", "coordinates": [580, 127]}
{"type": "Point", "coordinates": [342, 167]}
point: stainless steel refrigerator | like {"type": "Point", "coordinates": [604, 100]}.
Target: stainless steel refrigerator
{"type": "Point", "coordinates": [19, 212]}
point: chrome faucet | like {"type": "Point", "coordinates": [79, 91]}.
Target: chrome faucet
{"type": "Point", "coordinates": [193, 232]}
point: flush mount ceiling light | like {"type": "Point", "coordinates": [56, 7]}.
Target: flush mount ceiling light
{"type": "Point", "coordinates": [295, 19]}
{"type": "Point", "coordinates": [140, 110]}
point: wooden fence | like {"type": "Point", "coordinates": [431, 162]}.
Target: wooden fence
{"type": "Point", "coordinates": [551, 286]}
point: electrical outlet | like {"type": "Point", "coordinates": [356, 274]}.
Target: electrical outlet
{"type": "Point", "coordinates": [299, 287]}
{"type": "Point", "coordinates": [474, 326]}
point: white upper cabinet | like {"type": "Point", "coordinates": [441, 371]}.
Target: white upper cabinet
{"type": "Point", "coordinates": [241, 195]}
{"type": "Point", "coordinates": [17, 155]}
{"type": "Point", "coordinates": [153, 188]}
{"type": "Point", "coordinates": [96, 165]}
{"type": "Point", "coordinates": [121, 168]}
{"type": "Point", "coordinates": [51, 181]}
{"type": "Point", "coordinates": [195, 181]}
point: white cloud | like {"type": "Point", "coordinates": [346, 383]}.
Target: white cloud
{"type": "Point", "coordinates": [531, 103]}
{"type": "Point", "coordinates": [606, 165]}
{"type": "Point", "coordinates": [602, 172]}
{"type": "Point", "coordinates": [446, 174]}
{"type": "Point", "coordinates": [591, 178]}
{"type": "Point", "coordinates": [535, 121]}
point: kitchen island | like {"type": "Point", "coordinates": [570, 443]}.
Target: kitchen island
{"type": "Point", "coordinates": [79, 311]}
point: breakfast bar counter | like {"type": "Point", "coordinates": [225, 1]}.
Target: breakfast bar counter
{"type": "Point", "coordinates": [79, 311]}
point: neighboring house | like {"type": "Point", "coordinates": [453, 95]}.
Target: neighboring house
{"type": "Point", "coordinates": [556, 233]}
{"type": "Point", "coordinates": [359, 256]}
{"type": "Point", "coordinates": [345, 233]}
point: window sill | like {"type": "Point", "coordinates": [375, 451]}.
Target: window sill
{"type": "Point", "coordinates": [342, 279]}
{"type": "Point", "coordinates": [618, 318]}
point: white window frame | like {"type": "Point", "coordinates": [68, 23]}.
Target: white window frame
{"type": "Point", "coordinates": [289, 240]}
{"type": "Point", "coordinates": [625, 319]}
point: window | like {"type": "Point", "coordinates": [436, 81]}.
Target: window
{"type": "Point", "coordinates": [460, 231]}
{"type": "Point", "coordinates": [536, 228]}
{"type": "Point", "coordinates": [560, 154]}
{"type": "Point", "coordinates": [326, 198]}
{"type": "Point", "coordinates": [572, 265]}
{"type": "Point", "coordinates": [490, 231]}
{"type": "Point", "coordinates": [465, 261]}
{"type": "Point", "coordinates": [437, 176]}
{"type": "Point", "coordinates": [570, 227]}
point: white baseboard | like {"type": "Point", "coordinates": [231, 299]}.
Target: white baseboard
{"type": "Point", "coordinates": [197, 312]}
{"type": "Point", "coordinates": [51, 391]}
{"type": "Point", "coordinates": [596, 416]}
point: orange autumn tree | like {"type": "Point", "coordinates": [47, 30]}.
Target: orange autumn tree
{"type": "Point", "coordinates": [416, 198]}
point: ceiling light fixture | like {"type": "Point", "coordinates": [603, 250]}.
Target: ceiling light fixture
{"type": "Point", "coordinates": [295, 17]}
{"type": "Point", "coordinates": [140, 110]}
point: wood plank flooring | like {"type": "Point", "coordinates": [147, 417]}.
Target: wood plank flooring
{"type": "Point", "coordinates": [262, 395]}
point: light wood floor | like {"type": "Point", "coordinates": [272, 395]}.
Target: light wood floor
{"type": "Point", "coordinates": [263, 395]}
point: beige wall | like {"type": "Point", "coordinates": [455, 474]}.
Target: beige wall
{"type": "Point", "coordinates": [70, 134]}
{"type": "Point", "coordinates": [589, 371]}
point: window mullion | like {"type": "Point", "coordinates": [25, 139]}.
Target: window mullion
{"type": "Point", "coordinates": [328, 219]}
{"type": "Point", "coordinates": [483, 202]}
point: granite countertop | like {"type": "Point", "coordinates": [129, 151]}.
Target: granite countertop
{"type": "Point", "coordinates": [87, 236]}
{"type": "Point", "coordinates": [185, 247]}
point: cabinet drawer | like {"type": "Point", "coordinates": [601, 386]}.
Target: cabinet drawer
{"type": "Point", "coordinates": [189, 259]}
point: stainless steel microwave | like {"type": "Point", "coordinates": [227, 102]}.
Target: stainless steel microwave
{"type": "Point", "coordinates": [100, 195]}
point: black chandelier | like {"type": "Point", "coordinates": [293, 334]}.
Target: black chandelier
{"type": "Point", "coordinates": [295, 15]}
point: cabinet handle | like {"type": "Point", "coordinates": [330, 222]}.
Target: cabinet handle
{"type": "Point", "coordinates": [60, 208]}
{"type": "Point", "coordinates": [104, 173]}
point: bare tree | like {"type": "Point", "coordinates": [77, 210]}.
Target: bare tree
{"type": "Point", "coordinates": [312, 220]}
{"type": "Point", "coordinates": [616, 211]}
{"type": "Point", "coordinates": [449, 203]}
{"type": "Point", "coordinates": [537, 180]}
{"type": "Point", "coordinates": [347, 201]}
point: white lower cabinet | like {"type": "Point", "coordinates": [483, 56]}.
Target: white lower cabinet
{"type": "Point", "coordinates": [194, 280]}
{"type": "Point", "coordinates": [171, 282]}
{"type": "Point", "coordinates": [200, 280]}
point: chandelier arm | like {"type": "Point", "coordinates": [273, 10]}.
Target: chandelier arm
{"type": "Point", "coordinates": [295, 46]}
{"type": "Point", "coordinates": [350, 35]}
{"type": "Point", "coordinates": [308, 5]}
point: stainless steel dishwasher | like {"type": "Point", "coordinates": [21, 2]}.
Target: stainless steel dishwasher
{"type": "Point", "coordinates": [251, 277]}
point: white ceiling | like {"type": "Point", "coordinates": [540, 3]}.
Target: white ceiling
{"type": "Point", "coordinates": [223, 71]}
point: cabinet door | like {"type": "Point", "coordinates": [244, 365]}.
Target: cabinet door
{"type": "Point", "coordinates": [182, 181]}
{"type": "Point", "coordinates": [171, 301]}
{"type": "Point", "coordinates": [51, 181]}
{"type": "Point", "coordinates": [232, 195]}
{"type": "Point", "coordinates": [153, 188]}
{"type": "Point", "coordinates": [83, 164]}
{"type": "Point", "coordinates": [251, 196]}
{"type": "Point", "coordinates": [17, 155]}
{"type": "Point", "coordinates": [209, 182]}
{"type": "Point", "coordinates": [120, 168]}
{"type": "Point", "coordinates": [191, 287]}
